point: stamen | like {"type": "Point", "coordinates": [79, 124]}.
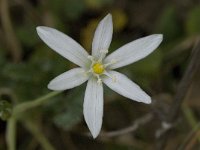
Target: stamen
{"type": "Point", "coordinates": [91, 58]}
{"type": "Point", "coordinates": [113, 77]}
{"type": "Point", "coordinates": [113, 61]}
{"type": "Point", "coordinates": [99, 81]}
{"type": "Point", "coordinates": [85, 73]}
{"type": "Point", "coordinates": [103, 52]}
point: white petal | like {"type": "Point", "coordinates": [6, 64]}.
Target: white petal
{"type": "Point", "coordinates": [126, 87]}
{"type": "Point", "coordinates": [68, 80]}
{"type": "Point", "coordinates": [103, 36]}
{"type": "Point", "coordinates": [134, 51]}
{"type": "Point", "coordinates": [64, 45]}
{"type": "Point", "coordinates": [93, 106]}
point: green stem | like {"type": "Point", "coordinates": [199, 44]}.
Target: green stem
{"type": "Point", "coordinates": [30, 104]}
{"type": "Point", "coordinates": [11, 125]}
{"type": "Point", "coordinates": [11, 134]}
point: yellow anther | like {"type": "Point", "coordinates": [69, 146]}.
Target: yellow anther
{"type": "Point", "coordinates": [98, 68]}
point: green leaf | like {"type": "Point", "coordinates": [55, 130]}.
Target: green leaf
{"type": "Point", "coordinates": [2, 57]}
{"type": "Point", "coordinates": [97, 4]}
{"type": "Point", "coordinates": [169, 25]}
{"type": "Point", "coordinates": [70, 9]}
{"type": "Point", "coordinates": [27, 34]}
{"type": "Point", "coordinates": [193, 21]}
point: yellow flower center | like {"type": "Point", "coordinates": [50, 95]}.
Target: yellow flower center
{"type": "Point", "coordinates": [98, 68]}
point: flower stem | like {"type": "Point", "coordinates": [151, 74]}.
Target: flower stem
{"type": "Point", "coordinates": [30, 104]}
{"type": "Point", "coordinates": [11, 134]}
{"type": "Point", "coordinates": [11, 125]}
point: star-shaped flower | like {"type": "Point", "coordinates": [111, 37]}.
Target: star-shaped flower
{"type": "Point", "coordinates": [97, 68]}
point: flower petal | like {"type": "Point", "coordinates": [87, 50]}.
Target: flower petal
{"type": "Point", "coordinates": [68, 80]}
{"type": "Point", "coordinates": [93, 106]}
{"type": "Point", "coordinates": [64, 45]}
{"type": "Point", "coordinates": [103, 36]}
{"type": "Point", "coordinates": [126, 87]}
{"type": "Point", "coordinates": [134, 51]}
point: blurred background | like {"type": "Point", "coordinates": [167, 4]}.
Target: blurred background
{"type": "Point", "coordinates": [27, 65]}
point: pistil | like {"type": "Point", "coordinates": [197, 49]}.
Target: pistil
{"type": "Point", "coordinates": [98, 68]}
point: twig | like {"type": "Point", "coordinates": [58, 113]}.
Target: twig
{"type": "Point", "coordinates": [193, 134]}
{"type": "Point", "coordinates": [164, 128]}
{"type": "Point", "coordinates": [185, 83]}
{"type": "Point", "coordinates": [11, 134]}
{"type": "Point", "coordinates": [137, 123]}
{"type": "Point", "coordinates": [183, 46]}
{"type": "Point", "coordinates": [182, 89]}
{"type": "Point", "coordinates": [12, 41]}
{"type": "Point", "coordinates": [192, 142]}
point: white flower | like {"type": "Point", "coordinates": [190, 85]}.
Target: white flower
{"type": "Point", "coordinates": [97, 68]}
